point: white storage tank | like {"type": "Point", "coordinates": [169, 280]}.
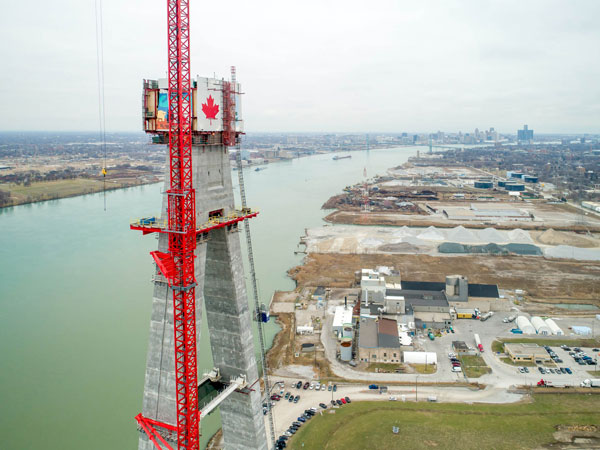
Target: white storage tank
{"type": "Point", "coordinates": [554, 328]}
{"type": "Point", "coordinates": [525, 325]}
{"type": "Point", "coordinates": [348, 330]}
{"type": "Point", "coordinates": [540, 326]}
{"type": "Point", "coordinates": [346, 349]}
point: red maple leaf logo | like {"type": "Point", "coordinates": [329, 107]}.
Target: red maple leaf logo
{"type": "Point", "coordinates": [209, 108]}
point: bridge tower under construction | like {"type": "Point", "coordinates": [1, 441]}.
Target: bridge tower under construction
{"type": "Point", "coordinates": [220, 285]}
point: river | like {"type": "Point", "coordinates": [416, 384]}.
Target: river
{"type": "Point", "coordinates": [75, 297]}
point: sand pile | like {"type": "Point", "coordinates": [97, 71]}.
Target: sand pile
{"type": "Point", "coordinates": [431, 234]}
{"type": "Point", "coordinates": [491, 235]}
{"type": "Point", "coordinates": [553, 237]}
{"type": "Point", "coordinates": [520, 236]}
{"type": "Point", "coordinates": [461, 234]}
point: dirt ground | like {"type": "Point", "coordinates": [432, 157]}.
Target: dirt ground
{"type": "Point", "coordinates": [541, 278]}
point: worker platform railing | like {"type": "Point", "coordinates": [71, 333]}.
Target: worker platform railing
{"type": "Point", "coordinates": [154, 224]}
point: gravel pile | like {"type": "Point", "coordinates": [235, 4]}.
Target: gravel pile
{"type": "Point", "coordinates": [568, 251]}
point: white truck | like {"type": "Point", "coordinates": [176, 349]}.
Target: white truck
{"type": "Point", "coordinates": [486, 316]}
{"type": "Point", "coordinates": [478, 342]}
{"type": "Point", "coordinates": [594, 382]}
{"type": "Point", "coordinates": [509, 319]}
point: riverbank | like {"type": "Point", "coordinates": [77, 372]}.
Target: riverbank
{"type": "Point", "coordinates": [42, 191]}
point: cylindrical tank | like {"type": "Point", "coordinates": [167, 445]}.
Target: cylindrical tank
{"type": "Point", "coordinates": [481, 184]}
{"type": "Point", "coordinates": [348, 330]}
{"type": "Point", "coordinates": [346, 349]}
{"type": "Point", "coordinates": [540, 326]}
{"type": "Point", "coordinates": [554, 328]}
{"type": "Point", "coordinates": [525, 325]}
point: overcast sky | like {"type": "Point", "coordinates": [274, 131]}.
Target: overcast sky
{"type": "Point", "coordinates": [315, 65]}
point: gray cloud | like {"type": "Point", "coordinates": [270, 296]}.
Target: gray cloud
{"type": "Point", "coordinates": [316, 65]}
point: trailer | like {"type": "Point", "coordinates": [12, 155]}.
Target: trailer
{"type": "Point", "coordinates": [486, 316]}
{"type": "Point", "coordinates": [478, 342]}
{"type": "Point", "coordinates": [593, 382]}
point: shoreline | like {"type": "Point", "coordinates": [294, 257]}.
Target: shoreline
{"type": "Point", "coordinates": [94, 189]}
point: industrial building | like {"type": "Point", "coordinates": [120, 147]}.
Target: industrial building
{"type": "Point", "coordinates": [556, 330]}
{"type": "Point", "coordinates": [540, 326]}
{"type": "Point", "coordinates": [425, 303]}
{"type": "Point", "coordinates": [485, 213]}
{"type": "Point", "coordinates": [342, 317]}
{"type": "Point", "coordinates": [420, 358]}
{"type": "Point", "coordinates": [525, 325]}
{"type": "Point", "coordinates": [526, 352]}
{"type": "Point", "coordinates": [378, 341]}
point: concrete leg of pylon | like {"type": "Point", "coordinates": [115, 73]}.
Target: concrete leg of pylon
{"type": "Point", "coordinates": [230, 329]}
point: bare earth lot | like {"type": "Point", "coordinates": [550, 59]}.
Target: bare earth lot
{"type": "Point", "coordinates": [541, 278]}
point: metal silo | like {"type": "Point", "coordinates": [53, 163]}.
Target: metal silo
{"type": "Point", "coordinates": [346, 349]}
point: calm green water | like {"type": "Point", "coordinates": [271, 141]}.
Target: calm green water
{"type": "Point", "coordinates": [75, 298]}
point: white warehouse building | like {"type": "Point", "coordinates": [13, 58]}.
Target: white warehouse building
{"type": "Point", "coordinates": [342, 316]}
{"type": "Point", "coordinates": [540, 326]}
{"type": "Point", "coordinates": [420, 357]}
{"type": "Point", "coordinates": [525, 325]}
{"type": "Point", "coordinates": [554, 328]}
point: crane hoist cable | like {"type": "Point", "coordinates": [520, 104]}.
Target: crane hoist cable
{"type": "Point", "coordinates": [100, 73]}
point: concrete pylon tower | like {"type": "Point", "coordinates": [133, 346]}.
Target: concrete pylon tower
{"type": "Point", "coordinates": [219, 272]}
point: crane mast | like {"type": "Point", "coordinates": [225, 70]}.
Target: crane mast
{"type": "Point", "coordinates": [181, 212]}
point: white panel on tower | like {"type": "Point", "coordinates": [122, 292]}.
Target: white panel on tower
{"type": "Point", "coordinates": [209, 108]}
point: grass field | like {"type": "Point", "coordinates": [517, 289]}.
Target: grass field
{"type": "Point", "coordinates": [474, 366]}
{"type": "Point", "coordinates": [51, 190]}
{"type": "Point", "coordinates": [368, 425]}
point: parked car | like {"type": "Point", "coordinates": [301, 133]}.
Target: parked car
{"type": "Point", "coordinates": [306, 385]}
{"type": "Point", "coordinates": [334, 387]}
{"type": "Point", "coordinates": [329, 388]}
{"type": "Point", "coordinates": [287, 395]}
{"type": "Point", "coordinates": [347, 399]}
{"type": "Point", "coordinates": [296, 399]}
{"type": "Point", "coordinates": [323, 405]}
{"type": "Point", "coordinates": [343, 400]}
{"type": "Point", "coordinates": [298, 384]}
{"type": "Point", "coordinates": [301, 419]}
{"type": "Point", "coordinates": [569, 371]}
{"type": "Point", "coordinates": [323, 387]}
{"type": "Point", "coordinates": [339, 402]}
{"type": "Point", "coordinates": [392, 398]}
{"type": "Point", "coordinates": [373, 386]}
{"type": "Point", "coordinates": [291, 399]}
{"type": "Point", "coordinates": [276, 397]}
{"type": "Point", "coordinates": [526, 369]}
{"type": "Point", "coordinates": [333, 402]}
{"type": "Point", "coordinates": [562, 370]}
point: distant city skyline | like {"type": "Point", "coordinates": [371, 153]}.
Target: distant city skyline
{"type": "Point", "coordinates": [317, 66]}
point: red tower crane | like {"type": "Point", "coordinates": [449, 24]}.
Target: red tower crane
{"type": "Point", "coordinates": [178, 264]}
